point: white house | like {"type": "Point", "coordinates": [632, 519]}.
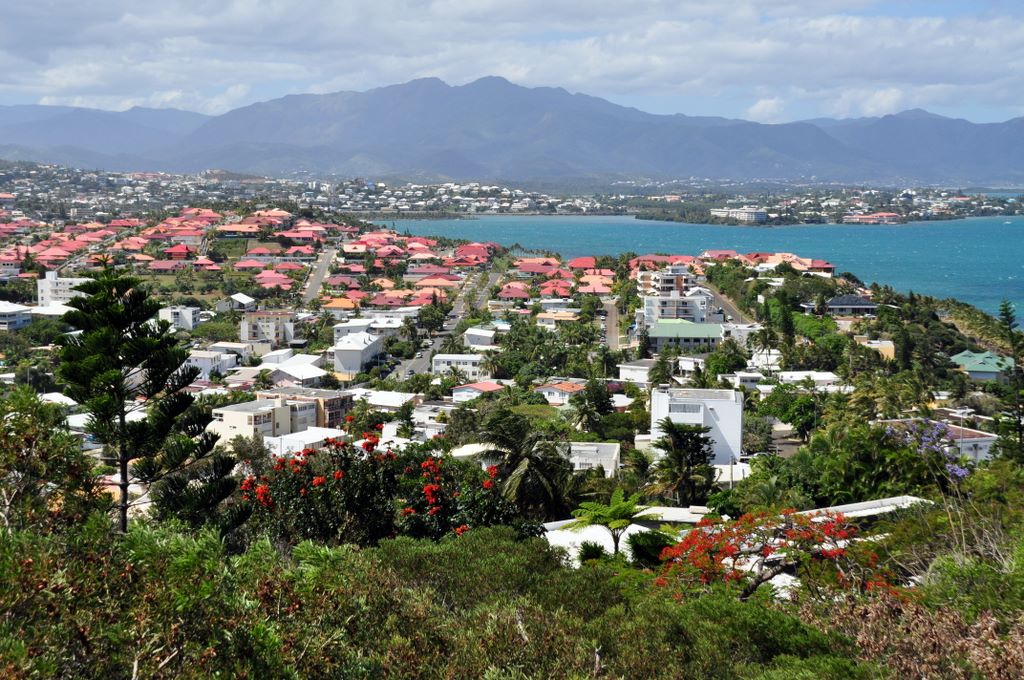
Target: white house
{"type": "Point", "coordinates": [747, 379]}
{"type": "Point", "coordinates": [479, 337]}
{"type": "Point", "coordinates": [559, 393]}
{"type": "Point", "coordinates": [719, 410]}
{"type": "Point", "coordinates": [13, 317]}
{"type": "Point", "coordinates": [590, 455]}
{"type": "Point", "coordinates": [180, 317]}
{"type": "Point", "coordinates": [636, 371]}
{"type": "Point", "coordinates": [467, 364]}
{"type": "Point", "coordinates": [208, 362]}
{"type": "Point", "coordinates": [464, 393]}
{"type": "Point", "coordinates": [384, 327]}
{"type": "Point", "coordinates": [237, 302]}
{"type": "Point", "coordinates": [354, 351]}
{"type": "Point", "coordinates": [690, 364]}
{"type": "Point", "coordinates": [740, 332]}
{"type": "Point", "coordinates": [51, 289]}
{"type": "Point", "coordinates": [310, 438]}
{"type": "Point", "coordinates": [819, 378]}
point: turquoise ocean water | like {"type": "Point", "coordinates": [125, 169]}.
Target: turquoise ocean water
{"type": "Point", "coordinates": [978, 260]}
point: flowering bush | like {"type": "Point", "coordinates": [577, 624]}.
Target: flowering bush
{"type": "Point", "coordinates": [350, 494]}
{"type": "Point", "coordinates": [755, 548]}
{"type": "Point", "coordinates": [931, 440]}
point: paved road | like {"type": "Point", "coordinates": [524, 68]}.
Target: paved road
{"type": "Point", "coordinates": [460, 306]}
{"type": "Point", "coordinates": [611, 326]}
{"type": "Point", "coordinates": [316, 279]}
{"type": "Point", "coordinates": [727, 304]}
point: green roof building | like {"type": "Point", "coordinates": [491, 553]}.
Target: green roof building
{"type": "Point", "coordinates": [982, 365]}
{"type": "Point", "coordinates": [684, 334]}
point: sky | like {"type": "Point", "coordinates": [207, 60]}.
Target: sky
{"type": "Point", "coordinates": [764, 60]}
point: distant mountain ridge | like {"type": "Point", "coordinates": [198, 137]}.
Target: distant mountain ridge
{"type": "Point", "coordinates": [493, 129]}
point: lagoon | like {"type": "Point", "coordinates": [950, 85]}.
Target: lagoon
{"type": "Point", "coordinates": [979, 260]}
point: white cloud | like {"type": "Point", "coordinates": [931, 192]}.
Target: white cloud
{"type": "Point", "coordinates": [766, 110]}
{"type": "Point", "coordinates": [795, 58]}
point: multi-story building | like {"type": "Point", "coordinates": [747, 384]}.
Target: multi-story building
{"type": "Point", "coordinates": [180, 317]}
{"type": "Point", "coordinates": [12, 316]}
{"type": "Point", "coordinates": [744, 214]}
{"type": "Point", "coordinates": [719, 410]}
{"type": "Point", "coordinates": [52, 289]}
{"type": "Point", "coordinates": [469, 365]}
{"type": "Point", "coordinates": [673, 278]}
{"type": "Point", "coordinates": [331, 405]}
{"type": "Point", "coordinates": [266, 417]}
{"type": "Point", "coordinates": [275, 327]}
{"type": "Point", "coordinates": [354, 351]}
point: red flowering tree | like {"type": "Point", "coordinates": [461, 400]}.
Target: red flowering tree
{"type": "Point", "coordinates": [750, 551]}
{"type": "Point", "coordinates": [443, 496]}
{"type": "Point", "coordinates": [362, 494]}
{"type": "Point", "coordinates": [341, 494]}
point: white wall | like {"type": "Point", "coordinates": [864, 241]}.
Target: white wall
{"type": "Point", "coordinates": [719, 410]}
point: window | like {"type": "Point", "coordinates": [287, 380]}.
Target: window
{"type": "Point", "coordinates": [685, 408]}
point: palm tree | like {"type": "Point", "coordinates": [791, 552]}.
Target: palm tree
{"type": "Point", "coordinates": [490, 364]}
{"type": "Point", "coordinates": [684, 473]}
{"type": "Point", "coordinates": [536, 471]}
{"type": "Point", "coordinates": [263, 380]}
{"type": "Point", "coordinates": [616, 516]}
{"type": "Point", "coordinates": [409, 329]}
{"type": "Point", "coordinates": [457, 375]}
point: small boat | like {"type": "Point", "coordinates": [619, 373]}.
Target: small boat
{"type": "Point", "coordinates": [1007, 222]}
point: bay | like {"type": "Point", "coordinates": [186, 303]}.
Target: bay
{"type": "Point", "coordinates": [979, 260]}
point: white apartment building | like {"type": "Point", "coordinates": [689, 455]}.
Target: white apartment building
{"type": "Point", "coordinates": [51, 289]}
{"type": "Point", "coordinates": [180, 317]}
{"type": "Point", "coordinates": [744, 214]}
{"type": "Point", "coordinates": [673, 278]}
{"type": "Point", "coordinates": [719, 410]}
{"type": "Point", "coordinates": [275, 327]}
{"type": "Point", "coordinates": [696, 305]}
{"type": "Point", "coordinates": [208, 362]}
{"type": "Point", "coordinates": [383, 327]}
{"type": "Point", "coordinates": [13, 317]}
{"type": "Point", "coordinates": [467, 364]}
{"type": "Point", "coordinates": [354, 351]}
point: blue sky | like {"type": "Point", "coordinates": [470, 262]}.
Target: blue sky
{"type": "Point", "coordinates": [768, 60]}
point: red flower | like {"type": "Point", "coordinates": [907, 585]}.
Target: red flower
{"type": "Point", "coordinates": [302, 491]}
{"type": "Point", "coordinates": [492, 471]}
{"type": "Point", "coordinates": [488, 484]}
{"type": "Point", "coordinates": [263, 495]}
{"type": "Point", "coordinates": [319, 480]}
{"type": "Point", "coordinates": [338, 474]}
{"type": "Point", "coordinates": [379, 426]}
{"type": "Point", "coordinates": [462, 529]}
{"type": "Point", "coordinates": [434, 510]}
{"type": "Point", "coordinates": [349, 419]}
{"type": "Point", "coordinates": [247, 483]}
{"type": "Point", "coordinates": [431, 491]}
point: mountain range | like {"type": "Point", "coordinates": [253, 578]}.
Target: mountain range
{"type": "Point", "coordinates": [491, 129]}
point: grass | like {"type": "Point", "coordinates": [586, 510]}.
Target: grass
{"type": "Point", "coordinates": [537, 411]}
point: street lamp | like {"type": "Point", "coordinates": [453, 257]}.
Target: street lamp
{"type": "Point", "coordinates": [963, 412]}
